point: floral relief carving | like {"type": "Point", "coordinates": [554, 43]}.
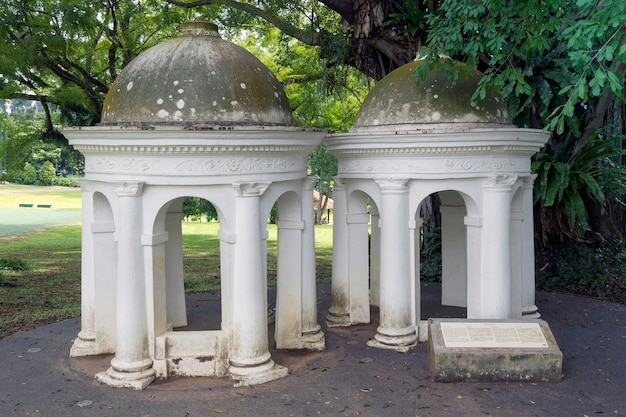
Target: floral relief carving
{"type": "Point", "coordinates": [236, 165]}
{"type": "Point", "coordinates": [121, 164]}
{"type": "Point", "coordinates": [467, 165]}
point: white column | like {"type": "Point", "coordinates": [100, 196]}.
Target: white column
{"type": "Point", "coordinates": [312, 335]}
{"type": "Point", "coordinates": [396, 330]}
{"type": "Point", "coordinates": [415, 231]}
{"type": "Point", "coordinates": [517, 268]}
{"type": "Point", "coordinates": [174, 275]}
{"type": "Point", "coordinates": [375, 256]}
{"type": "Point", "coordinates": [495, 285]}
{"type": "Point", "coordinates": [85, 343]}
{"type": "Point", "coordinates": [529, 309]}
{"type": "Point", "coordinates": [339, 311]}
{"type": "Point", "coordinates": [131, 367]}
{"type": "Point", "coordinates": [154, 272]}
{"type": "Point", "coordinates": [453, 256]}
{"type": "Point", "coordinates": [358, 265]}
{"type": "Point", "coordinates": [250, 359]}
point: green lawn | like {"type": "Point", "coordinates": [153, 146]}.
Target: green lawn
{"type": "Point", "coordinates": [60, 198]}
{"type": "Point", "coordinates": [49, 290]}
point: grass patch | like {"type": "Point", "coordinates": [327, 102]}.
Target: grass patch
{"type": "Point", "coordinates": [11, 196]}
{"type": "Point", "coordinates": [48, 289]}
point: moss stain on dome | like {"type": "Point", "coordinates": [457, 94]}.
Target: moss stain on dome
{"type": "Point", "coordinates": [397, 100]}
{"type": "Point", "coordinates": [197, 78]}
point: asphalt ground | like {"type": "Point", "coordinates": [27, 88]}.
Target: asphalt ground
{"type": "Point", "coordinates": [347, 379]}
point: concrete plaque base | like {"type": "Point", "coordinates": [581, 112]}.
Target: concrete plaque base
{"type": "Point", "coordinates": [493, 350]}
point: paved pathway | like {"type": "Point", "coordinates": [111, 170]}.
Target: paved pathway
{"type": "Point", "coordinates": [348, 379]}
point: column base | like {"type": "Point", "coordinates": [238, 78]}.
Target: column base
{"type": "Point", "coordinates": [245, 375]}
{"type": "Point", "coordinates": [400, 340]}
{"type": "Point", "coordinates": [314, 340]}
{"type": "Point", "coordinates": [531, 312]}
{"type": "Point", "coordinates": [121, 375]}
{"type": "Point", "coordinates": [337, 319]}
{"type": "Point", "coordinates": [84, 345]}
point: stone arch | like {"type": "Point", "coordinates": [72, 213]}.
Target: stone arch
{"type": "Point", "coordinates": [455, 207]}
{"type": "Point", "coordinates": [296, 324]}
{"type": "Point", "coordinates": [168, 309]}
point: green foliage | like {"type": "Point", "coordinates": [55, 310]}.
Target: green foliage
{"type": "Point", "coordinates": [29, 174]}
{"type": "Point", "coordinates": [567, 170]}
{"type": "Point", "coordinates": [408, 15]}
{"type": "Point", "coordinates": [13, 264]}
{"type": "Point", "coordinates": [430, 254]}
{"type": "Point", "coordinates": [321, 95]}
{"type": "Point", "coordinates": [67, 52]}
{"type": "Point", "coordinates": [195, 208]}
{"type": "Point", "coordinates": [322, 165]}
{"type": "Point", "coordinates": [554, 55]}
{"type": "Point", "coordinates": [10, 264]}
{"type": "Point", "coordinates": [65, 182]}
{"type": "Point", "coordinates": [560, 65]}
{"type": "Point", "coordinates": [595, 268]}
{"type": "Point", "coordinates": [47, 173]}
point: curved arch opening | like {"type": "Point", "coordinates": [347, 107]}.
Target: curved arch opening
{"type": "Point", "coordinates": [441, 254]}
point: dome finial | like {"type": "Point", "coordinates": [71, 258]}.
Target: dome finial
{"type": "Point", "coordinates": [199, 27]}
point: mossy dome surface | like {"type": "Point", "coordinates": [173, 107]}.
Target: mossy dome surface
{"type": "Point", "coordinates": [398, 102]}
{"type": "Point", "coordinates": [196, 78]}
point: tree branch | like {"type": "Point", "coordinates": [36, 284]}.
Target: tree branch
{"type": "Point", "coordinates": [309, 37]}
{"type": "Point", "coordinates": [343, 7]}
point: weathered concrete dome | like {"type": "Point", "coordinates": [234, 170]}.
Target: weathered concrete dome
{"type": "Point", "coordinates": [196, 78]}
{"type": "Point", "coordinates": [397, 102]}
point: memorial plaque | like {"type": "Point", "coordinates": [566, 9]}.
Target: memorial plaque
{"type": "Point", "coordinates": [493, 335]}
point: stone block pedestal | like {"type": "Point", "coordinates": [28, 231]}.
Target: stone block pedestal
{"type": "Point", "coordinates": [493, 350]}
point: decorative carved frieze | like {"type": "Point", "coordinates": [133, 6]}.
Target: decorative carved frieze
{"type": "Point", "coordinates": [193, 166]}
{"type": "Point", "coordinates": [430, 165]}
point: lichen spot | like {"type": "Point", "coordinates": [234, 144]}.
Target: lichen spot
{"type": "Point", "coordinates": [212, 72]}
{"type": "Point", "coordinates": [243, 85]}
{"type": "Point", "coordinates": [162, 114]}
{"type": "Point", "coordinates": [436, 116]}
{"type": "Point", "coordinates": [180, 91]}
{"type": "Point", "coordinates": [276, 94]}
{"type": "Point", "coordinates": [234, 103]}
{"type": "Point", "coordinates": [180, 103]}
{"type": "Point", "coordinates": [214, 103]}
{"type": "Point", "coordinates": [129, 86]}
{"type": "Point", "coordinates": [436, 96]}
{"type": "Point", "coordinates": [160, 101]}
{"type": "Point", "coordinates": [176, 82]}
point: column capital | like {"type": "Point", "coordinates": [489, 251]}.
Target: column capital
{"type": "Point", "coordinates": [529, 181]}
{"type": "Point", "coordinates": [128, 188]}
{"type": "Point", "coordinates": [500, 182]}
{"type": "Point", "coordinates": [392, 185]}
{"type": "Point", "coordinates": [338, 183]}
{"type": "Point", "coordinates": [85, 184]}
{"type": "Point", "coordinates": [250, 189]}
{"type": "Point", "coordinates": [308, 183]}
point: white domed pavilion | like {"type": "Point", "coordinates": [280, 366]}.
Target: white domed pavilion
{"type": "Point", "coordinates": [412, 140]}
{"type": "Point", "coordinates": [194, 116]}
